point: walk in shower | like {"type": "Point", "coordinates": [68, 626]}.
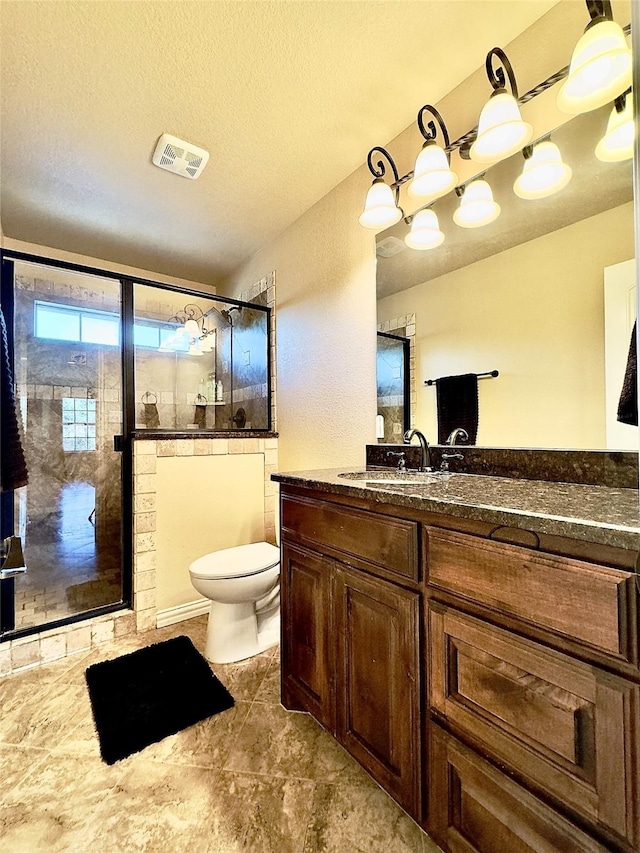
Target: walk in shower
{"type": "Point", "coordinates": [96, 359]}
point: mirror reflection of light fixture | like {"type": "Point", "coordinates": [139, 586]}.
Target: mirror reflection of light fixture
{"type": "Point", "coordinates": [601, 64]}
{"type": "Point", "coordinates": [617, 143]}
{"type": "Point", "coordinates": [432, 173]}
{"type": "Point", "coordinates": [381, 205]}
{"type": "Point", "coordinates": [477, 206]}
{"type": "Point", "coordinates": [543, 173]}
{"type": "Point", "coordinates": [501, 130]}
{"type": "Point", "coordinates": [425, 231]}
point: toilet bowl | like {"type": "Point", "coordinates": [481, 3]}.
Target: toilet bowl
{"type": "Point", "coordinates": [242, 584]}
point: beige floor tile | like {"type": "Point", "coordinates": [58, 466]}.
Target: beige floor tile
{"type": "Point", "coordinates": [276, 742]}
{"type": "Point", "coordinates": [256, 814]}
{"type": "Point", "coordinates": [16, 762]}
{"type": "Point", "coordinates": [50, 807]}
{"type": "Point", "coordinates": [359, 819]}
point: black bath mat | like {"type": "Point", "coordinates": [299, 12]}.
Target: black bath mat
{"type": "Point", "coordinates": [143, 697]}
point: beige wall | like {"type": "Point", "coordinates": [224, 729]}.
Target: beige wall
{"type": "Point", "coordinates": [203, 504]}
{"type": "Point", "coordinates": [325, 330]}
{"type": "Point", "coordinates": [536, 314]}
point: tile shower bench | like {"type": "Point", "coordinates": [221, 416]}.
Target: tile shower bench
{"type": "Point", "coordinates": [473, 643]}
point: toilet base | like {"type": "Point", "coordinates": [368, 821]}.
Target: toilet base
{"type": "Point", "coordinates": [235, 632]}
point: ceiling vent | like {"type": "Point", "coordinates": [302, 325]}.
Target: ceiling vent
{"type": "Point", "coordinates": [389, 247]}
{"type": "Point", "coordinates": [180, 157]}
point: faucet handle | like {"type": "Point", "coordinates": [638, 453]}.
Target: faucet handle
{"type": "Point", "coordinates": [444, 465]}
{"type": "Point", "coordinates": [402, 461]}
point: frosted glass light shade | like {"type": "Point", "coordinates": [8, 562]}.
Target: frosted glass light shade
{"type": "Point", "coordinates": [600, 69]}
{"type": "Point", "coordinates": [425, 231]}
{"type": "Point", "coordinates": [617, 143]}
{"type": "Point", "coordinates": [543, 173]}
{"type": "Point", "coordinates": [477, 206]}
{"type": "Point", "coordinates": [192, 329]}
{"type": "Point", "coordinates": [380, 209]}
{"type": "Point", "coordinates": [432, 175]}
{"type": "Point", "coordinates": [501, 130]}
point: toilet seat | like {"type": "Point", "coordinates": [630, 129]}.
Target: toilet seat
{"type": "Point", "coordinates": [239, 562]}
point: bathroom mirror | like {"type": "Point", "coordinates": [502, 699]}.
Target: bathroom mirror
{"type": "Point", "coordinates": [545, 295]}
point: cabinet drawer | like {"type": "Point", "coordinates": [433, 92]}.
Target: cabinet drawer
{"type": "Point", "coordinates": [564, 725]}
{"type": "Point", "coordinates": [592, 604]}
{"type": "Point", "coordinates": [476, 809]}
{"type": "Point", "coordinates": [390, 543]}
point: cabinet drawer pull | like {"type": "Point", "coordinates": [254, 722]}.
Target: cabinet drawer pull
{"type": "Point", "coordinates": [536, 538]}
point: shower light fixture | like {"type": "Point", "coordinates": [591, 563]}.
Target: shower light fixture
{"type": "Point", "coordinates": [601, 64]}
{"type": "Point", "coordinates": [543, 173]}
{"type": "Point", "coordinates": [617, 143]}
{"type": "Point", "coordinates": [381, 205]}
{"type": "Point", "coordinates": [477, 206]}
{"type": "Point", "coordinates": [432, 173]}
{"type": "Point", "coordinates": [501, 130]}
{"type": "Point", "coordinates": [425, 231]}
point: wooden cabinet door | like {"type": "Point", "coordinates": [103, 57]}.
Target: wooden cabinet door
{"type": "Point", "coordinates": [378, 708]}
{"type": "Point", "coordinates": [564, 726]}
{"type": "Point", "coordinates": [473, 808]}
{"type": "Point", "coordinates": [307, 658]}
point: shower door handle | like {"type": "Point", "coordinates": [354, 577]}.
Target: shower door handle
{"type": "Point", "coordinates": [11, 558]}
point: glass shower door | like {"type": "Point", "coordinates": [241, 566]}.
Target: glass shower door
{"type": "Point", "coordinates": [68, 377]}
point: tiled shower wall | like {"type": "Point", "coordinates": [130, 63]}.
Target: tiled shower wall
{"type": "Point", "coordinates": [392, 405]}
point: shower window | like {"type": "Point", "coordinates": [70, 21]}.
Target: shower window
{"type": "Point", "coordinates": [200, 362]}
{"type": "Point", "coordinates": [78, 424]}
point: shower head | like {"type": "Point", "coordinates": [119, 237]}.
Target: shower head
{"type": "Point", "coordinates": [227, 313]}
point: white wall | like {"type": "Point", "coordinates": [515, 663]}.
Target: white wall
{"type": "Point", "coordinates": [325, 330]}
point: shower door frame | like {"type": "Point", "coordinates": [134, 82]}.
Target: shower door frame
{"type": "Point", "coordinates": [122, 443]}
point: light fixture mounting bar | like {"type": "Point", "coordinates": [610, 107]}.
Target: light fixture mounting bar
{"type": "Point", "coordinates": [469, 137]}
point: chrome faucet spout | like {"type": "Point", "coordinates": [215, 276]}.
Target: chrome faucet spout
{"type": "Point", "coordinates": [425, 464]}
{"type": "Point", "coordinates": [457, 433]}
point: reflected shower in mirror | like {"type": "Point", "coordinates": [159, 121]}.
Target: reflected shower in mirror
{"type": "Point", "coordinates": [545, 294]}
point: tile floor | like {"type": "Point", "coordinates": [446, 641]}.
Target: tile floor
{"type": "Point", "coordinates": [254, 779]}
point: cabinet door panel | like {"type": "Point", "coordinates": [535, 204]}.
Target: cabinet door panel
{"type": "Point", "coordinates": [473, 808]}
{"type": "Point", "coordinates": [379, 707]}
{"type": "Point", "coordinates": [306, 653]}
{"type": "Point", "coordinates": [559, 723]}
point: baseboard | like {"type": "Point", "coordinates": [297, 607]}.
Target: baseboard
{"type": "Point", "coordinates": [181, 612]}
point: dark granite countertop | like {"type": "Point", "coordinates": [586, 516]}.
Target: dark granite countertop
{"type": "Point", "coordinates": [599, 514]}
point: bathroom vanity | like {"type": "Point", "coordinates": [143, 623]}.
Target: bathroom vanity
{"type": "Point", "coordinates": [473, 642]}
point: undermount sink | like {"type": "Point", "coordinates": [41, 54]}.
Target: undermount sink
{"type": "Point", "coordinates": [397, 478]}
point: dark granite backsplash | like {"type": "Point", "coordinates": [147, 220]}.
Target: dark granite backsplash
{"type": "Point", "coordinates": [614, 468]}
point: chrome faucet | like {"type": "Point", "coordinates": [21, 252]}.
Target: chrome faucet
{"type": "Point", "coordinates": [401, 466]}
{"type": "Point", "coordinates": [425, 464]}
{"type": "Point", "coordinates": [457, 433]}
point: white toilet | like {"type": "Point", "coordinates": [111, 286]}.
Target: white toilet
{"type": "Point", "coordinates": [243, 586]}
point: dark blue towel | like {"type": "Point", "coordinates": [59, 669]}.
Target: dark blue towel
{"type": "Point", "coordinates": [628, 404]}
{"type": "Point", "coordinates": [457, 398]}
{"type": "Point", "coordinates": [13, 467]}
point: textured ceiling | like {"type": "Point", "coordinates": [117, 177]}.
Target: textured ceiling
{"type": "Point", "coordinates": [287, 97]}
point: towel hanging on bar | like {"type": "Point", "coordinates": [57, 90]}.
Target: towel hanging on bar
{"type": "Point", "coordinates": [491, 374]}
{"type": "Point", "coordinates": [13, 466]}
{"type": "Point", "coordinates": [457, 398]}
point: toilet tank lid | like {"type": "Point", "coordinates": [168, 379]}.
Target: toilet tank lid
{"type": "Point", "coordinates": [236, 562]}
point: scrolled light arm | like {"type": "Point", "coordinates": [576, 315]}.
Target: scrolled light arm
{"type": "Point", "coordinates": [429, 132]}
{"type": "Point", "coordinates": [497, 76]}
{"type": "Point", "coordinates": [379, 169]}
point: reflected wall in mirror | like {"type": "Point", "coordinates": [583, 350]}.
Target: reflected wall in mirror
{"type": "Point", "coordinates": [526, 295]}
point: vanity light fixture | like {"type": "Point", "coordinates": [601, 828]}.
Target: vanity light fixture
{"type": "Point", "coordinates": [617, 143]}
{"type": "Point", "coordinates": [477, 206]}
{"type": "Point", "coordinates": [544, 172]}
{"type": "Point", "coordinates": [501, 130]}
{"type": "Point", "coordinates": [601, 65]}
{"type": "Point", "coordinates": [425, 231]}
{"type": "Point", "coordinates": [432, 173]}
{"type": "Point", "coordinates": [381, 205]}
